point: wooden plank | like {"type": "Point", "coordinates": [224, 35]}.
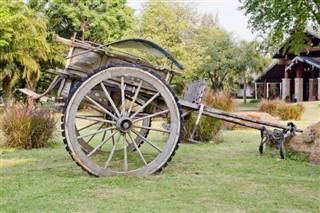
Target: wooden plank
{"type": "Point", "coordinates": [230, 120]}
{"type": "Point", "coordinates": [188, 105]}
{"type": "Point", "coordinates": [195, 91]}
{"type": "Point", "coordinates": [33, 95]}
{"type": "Point", "coordinates": [284, 62]}
{"type": "Point", "coordinates": [143, 63]}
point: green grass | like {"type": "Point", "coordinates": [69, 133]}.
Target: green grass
{"type": "Point", "coordinates": [247, 105]}
{"type": "Point", "coordinates": [226, 177]}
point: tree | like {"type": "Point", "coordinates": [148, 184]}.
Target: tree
{"type": "Point", "coordinates": [23, 44]}
{"type": "Point", "coordinates": [221, 53]}
{"type": "Point", "coordinates": [227, 60]}
{"type": "Point", "coordinates": [173, 25]}
{"type": "Point", "coordinates": [250, 61]}
{"type": "Point", "coordinates": [283, 20]}
{"type": "Point", "coordinates": [99, 21]}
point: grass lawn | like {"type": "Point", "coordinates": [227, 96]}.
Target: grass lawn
{"type": "Point", "coordinates": [226, 177]}
{"type": "Point", "coordinates": [248, 105]}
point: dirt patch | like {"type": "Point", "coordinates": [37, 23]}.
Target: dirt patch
{"type": "Point", "coordinates": [307, 143]}
{"type": "Point", "coordinates": [262, 116]}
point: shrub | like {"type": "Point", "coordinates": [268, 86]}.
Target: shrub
{"type": "Point", "coordinates": [269, 106]}
{"type": "Point", "coordinates": [209, 127]}
{"type": "Point", "coordinates": [26, 127]}
{"type": "Point", "coordinates": [220, 100]}
{"type": "Point", "coordinates": [281, 109]}
{"type": "Point", "coordinates": [290, 111]}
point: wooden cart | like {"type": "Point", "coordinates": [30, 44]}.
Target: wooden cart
{"type": "Point", "coordinates": [120, 115]}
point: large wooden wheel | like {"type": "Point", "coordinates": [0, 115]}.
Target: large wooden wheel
{"type": "Point", "coordinates": [86, 147]}
{"type": "Point", "coordinates": [120, 101]}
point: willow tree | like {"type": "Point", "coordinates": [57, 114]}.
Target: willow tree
{"type": "Point", "coordinates": [22, 45]}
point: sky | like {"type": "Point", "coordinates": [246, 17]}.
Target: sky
{"type": "Point", "coordinates": [230, 17]}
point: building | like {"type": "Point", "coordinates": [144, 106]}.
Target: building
{"type": "Point", "coordinates": [293, 76]}
{"type": "Point", "coordinates": [250, 92]}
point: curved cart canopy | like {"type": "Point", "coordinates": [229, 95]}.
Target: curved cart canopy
{"type": "Point", "coordinates": [145, 45]}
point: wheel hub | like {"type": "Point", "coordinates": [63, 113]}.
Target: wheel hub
{"type": "Point", "coordinates": [124, 124]}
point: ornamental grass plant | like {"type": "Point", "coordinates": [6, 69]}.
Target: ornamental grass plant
{"type": "Point", "coordinates": [280, 108]}
{"type": "Point", "coordinates": [209, 127]}
{"type": "Point", "coordinates": [26, 127]}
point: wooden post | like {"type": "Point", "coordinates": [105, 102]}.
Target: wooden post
{"type": "Point", "coordinates": [265, 88]}
{"type": "Point", "coordinates": [255, 90]}
{"type": "Point", "coordinates": [245, 90]}
{"type": "Point", "coordinates": [298, 85]}
{"type": "Point", "coordinates": [299, 71]}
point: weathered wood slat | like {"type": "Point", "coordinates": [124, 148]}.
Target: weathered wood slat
{"type": "Point", "coordinates": [195, 91]}
{"type": "Point", "coordinates": [223, 118]}
{"type": "Point", "coordinates": [84, 48]}
{"type": "Point", "coordinates": [33, 94]}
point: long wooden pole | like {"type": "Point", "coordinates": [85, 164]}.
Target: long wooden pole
{"type": "Point", "coordinates": [230, 117]}
{"type": "Point", "coordinates": [211, 111]}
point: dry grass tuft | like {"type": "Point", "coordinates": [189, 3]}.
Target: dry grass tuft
{"type": "Point", "coordinates": [281, 109]}
{"type": "Point", "coordinates": [209, 127]}
{"type": "Point", "coordinates": [27, 127]}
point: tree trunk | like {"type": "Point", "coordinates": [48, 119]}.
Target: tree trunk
{"type": "Point", "coordinates": [7, 98]}
{"type": "Point", "coordinates": [245, 90]}
{"type": "Point", "coordinates": [83, 29]}
{"type": "Point", "coordinates": [214, 82]}
{"type": "Point", "coordinates": [7, 93]}
{"type": "Point", "coordinates": [31, 85]}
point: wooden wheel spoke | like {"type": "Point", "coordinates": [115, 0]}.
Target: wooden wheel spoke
{"type": "Point", "coordinates": [125, 153]}
{"type": "Point", "coordinates": [110, 99]}
{"type": "Point", "coordinates": [146, 140]}
{"type": "Point", "coordinates": [85, 127]}
{"type": "Point", "coordinates": [123, 101]}
{"type": "Point", "coordinates": [101, 107]}
{"type": "Point", "coordinates": [150, 128]}
{"type": "Point", "coordinates": [112, 151]}
{"type": "Point", "coordinates": [138, 150]}
{"type": "Point", "coordinates": [152, 104]}
{"type": "Point", "coordinates": [100, 145]}
{"type": "Point", "coordinates": [151, 116]}
{"type": "Point", "coordinates": [94, 108]}
{"type": "Point", "coordinates": [93, 116]}
{"type": "Point", "coordinates": [134, 97]}
{"type": "Point", "coordinates": [103, 137]}
{"type": "Point", "coordinates": [112, 138]}
{"type": "Point", "coordinates": [96, 132]}
{"type": "Point", "coordinates": [145, 104]}
{"type": "Point", "coordinates": [95, 119]}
